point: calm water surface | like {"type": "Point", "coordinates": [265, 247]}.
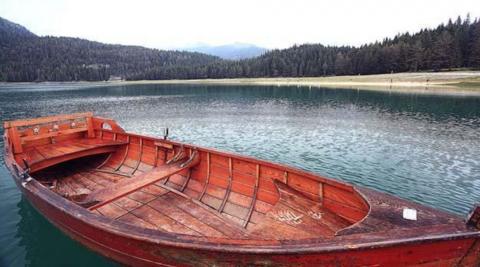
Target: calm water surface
{"type": "Point", "coordinates": [423, 148]}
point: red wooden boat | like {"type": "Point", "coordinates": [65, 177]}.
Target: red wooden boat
{"type": "Point", "coordinates": [147, 201]}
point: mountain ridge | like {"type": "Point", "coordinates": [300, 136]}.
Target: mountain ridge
{"type": "Point", "coordinates": [234, 51]}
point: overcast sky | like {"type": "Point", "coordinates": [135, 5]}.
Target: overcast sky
{"type": "Point", "coordinates": [272, 24]}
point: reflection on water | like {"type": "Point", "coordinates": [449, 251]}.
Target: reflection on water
{"type": "Point", "coordinates": [45, 245]}
{"type": "Point", "coordinates": [424, 148]}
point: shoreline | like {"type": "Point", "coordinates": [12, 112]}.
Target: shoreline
{"type": "Point", "coordinates": [442, 83]}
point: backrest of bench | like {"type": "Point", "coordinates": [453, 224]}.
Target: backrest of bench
{"type": "Point", "coordinates": [35, 131]}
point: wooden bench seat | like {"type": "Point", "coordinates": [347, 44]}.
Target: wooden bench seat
{"type": "Point", "coordinates": [41, 157]}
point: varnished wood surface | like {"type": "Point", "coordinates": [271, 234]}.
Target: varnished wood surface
{"type": "Point", "coordinates": [155, 207]}
{"type": "Point", "coordinates": [44, 156]}
{"type": "Point", "coordinates": [224, 202]}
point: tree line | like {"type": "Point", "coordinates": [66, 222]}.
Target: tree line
{"type": "Point", "coordinates": [453, 45]}
{"type": "Point", "coordinates": [27, 57]}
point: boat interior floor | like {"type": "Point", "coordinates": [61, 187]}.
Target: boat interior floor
{"type": "Point", "coordinates": [182, 205]}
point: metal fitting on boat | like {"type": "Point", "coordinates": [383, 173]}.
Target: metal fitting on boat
{"type": "Point", "coordinates": [165, 133]}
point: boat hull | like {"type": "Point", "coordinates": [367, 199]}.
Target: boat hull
{"type": "Point", "coordinates": [284, 216]}
{"type": "Point", "coordinates": [137, 252]}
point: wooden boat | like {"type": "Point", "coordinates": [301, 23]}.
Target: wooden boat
{"type": "Point", "coordinates": [145, 201]}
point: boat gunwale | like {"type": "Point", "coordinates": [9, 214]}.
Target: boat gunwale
{"type": "Point", "coordinates": [205, 243]}
{"type": "Point", "coordinates": [290, 169]}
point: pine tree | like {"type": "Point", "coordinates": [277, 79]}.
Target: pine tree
{"type": "Point", "coordinates": [474, 45]}
{"type": "Point", "coordinates": [442, 51]}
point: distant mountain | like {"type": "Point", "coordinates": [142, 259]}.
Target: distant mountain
{"type": "Point", "coordinates": [10, 31]}
{"type": "Point", "coordinates": [233, 51]}
{"type": "Point", "coordinates": [26, 57]}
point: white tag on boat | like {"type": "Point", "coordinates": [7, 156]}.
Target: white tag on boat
{"type": "Point", "coordinates": [410, 214]}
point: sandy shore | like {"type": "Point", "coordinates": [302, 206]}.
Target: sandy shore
{"type": "Point", "coordinates": [444, 83]}
{"type": "Point", "coordinates": [451, 83]}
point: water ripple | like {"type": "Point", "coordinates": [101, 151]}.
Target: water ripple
{"type": "Point", "coordinates": [423, 148]}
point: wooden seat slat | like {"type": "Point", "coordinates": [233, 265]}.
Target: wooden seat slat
{"type": "Point", "coordinates": [127, 186]}
{"type": "Point", "coordinates": [52, 134]}
{"type": "Point", "coordinates": [41, 157]}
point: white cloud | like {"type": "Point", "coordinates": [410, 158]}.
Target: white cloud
{"type": "Point", "coordinates": [273, 24]}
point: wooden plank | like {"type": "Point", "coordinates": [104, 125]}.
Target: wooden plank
{"type": "Point", "coordinates": [78, 187]}
{"type": "Point", "coordinates": [177, 179]}
{"type": "Point", "coordinates": [254, 198]}
{"type": "Point", "coordinates": [113, 172]}
{"type": "Point", "coordinates": [212, 202]}
{"type": "Point", "coordinates": [344, 197]}
{"type": "Point", "coordinates": [135, 220]}
{"type": "Point", "coordinates": [229, 188]}
{"type": "Point", "coordinates": [87, 182]}
{"type": "Point", "coordinates": [90, 132]}
{"type": "Point", "coordinates": [58, 159]}
{"type": "Point", "coordinates": [64, 189]}
{"type": "Point", "coordinates": [154, 190]}
{"type": "Point", "coordinates": [126, 187]}
{"type": "Point", "coordinates": [128, 204]}
{"type": "Point", "coordinates": [201, 204]}
{"type": "Point", "coordinates": [233, 218]}
{"type": "Point", "coordinates": [52, 134]}
{"type": "Point", "coordinates": [112, 211]}
{"type": "Point", "coordinates": [153, 216]}
{"type": "Point", "coordinates": [73, 146]}
{"type": "Point", "coordinates": [207, 216]}
{"type": "Point", "coordinates": [16, 141]}
{"type": "Point", "coordinates": [235, 210]}
{"type": "Point", "coordinates": [173, 186]}
{"type": "Point", "coordinates": [303, 184]}
{"type": "Point", "coordinates": [165, 206]}
{"type": "Point", "coordinates": [50, 151]}
{"type": "Point", "coordinates": [313, 224]}
{"type": "Point", "coordinates": [314, 209]}
{"type": "Point", "coordinates": [185, 184]}
{"type": "Point", "coordinates": [348, 213]}
{"type": "Point", "coordinates": [105, 161]}
{"type": "Point", "coordinates": [125, 155]}
{"type": "Point", "coordinates": [107, 175]}
{"type": "Point", "coordinates": [272, 229]}
{"type": "Point", "coordinates": [163, 145]}
{"type": "Point", "coordinates": [43, 120]}
{"type": "Point", "coordinates": [192, 193]}
{"type": "Point", "coordinates": [95, 179]}
{"type": "Point", "coordinates": [156, 157]}
{"type": "Point", "coordinates": [196, 186]}
{"type": "Point", "coordinates": [33, 155]}
{"type": "Point", "coordinates": [141, 196]}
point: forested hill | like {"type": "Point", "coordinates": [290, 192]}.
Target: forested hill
{"type": "Point", "coordinates": [27, 57]}
{"type": "Point", "coordinates": [12, 31]}
{"type": "Point", "coordinates": [451, 45]}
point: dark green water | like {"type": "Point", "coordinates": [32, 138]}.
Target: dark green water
{"type": "Point", "coordinates": [423, 148]}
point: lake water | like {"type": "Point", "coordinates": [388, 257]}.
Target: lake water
{"type": "Point", "coordinates": [420, 147]}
